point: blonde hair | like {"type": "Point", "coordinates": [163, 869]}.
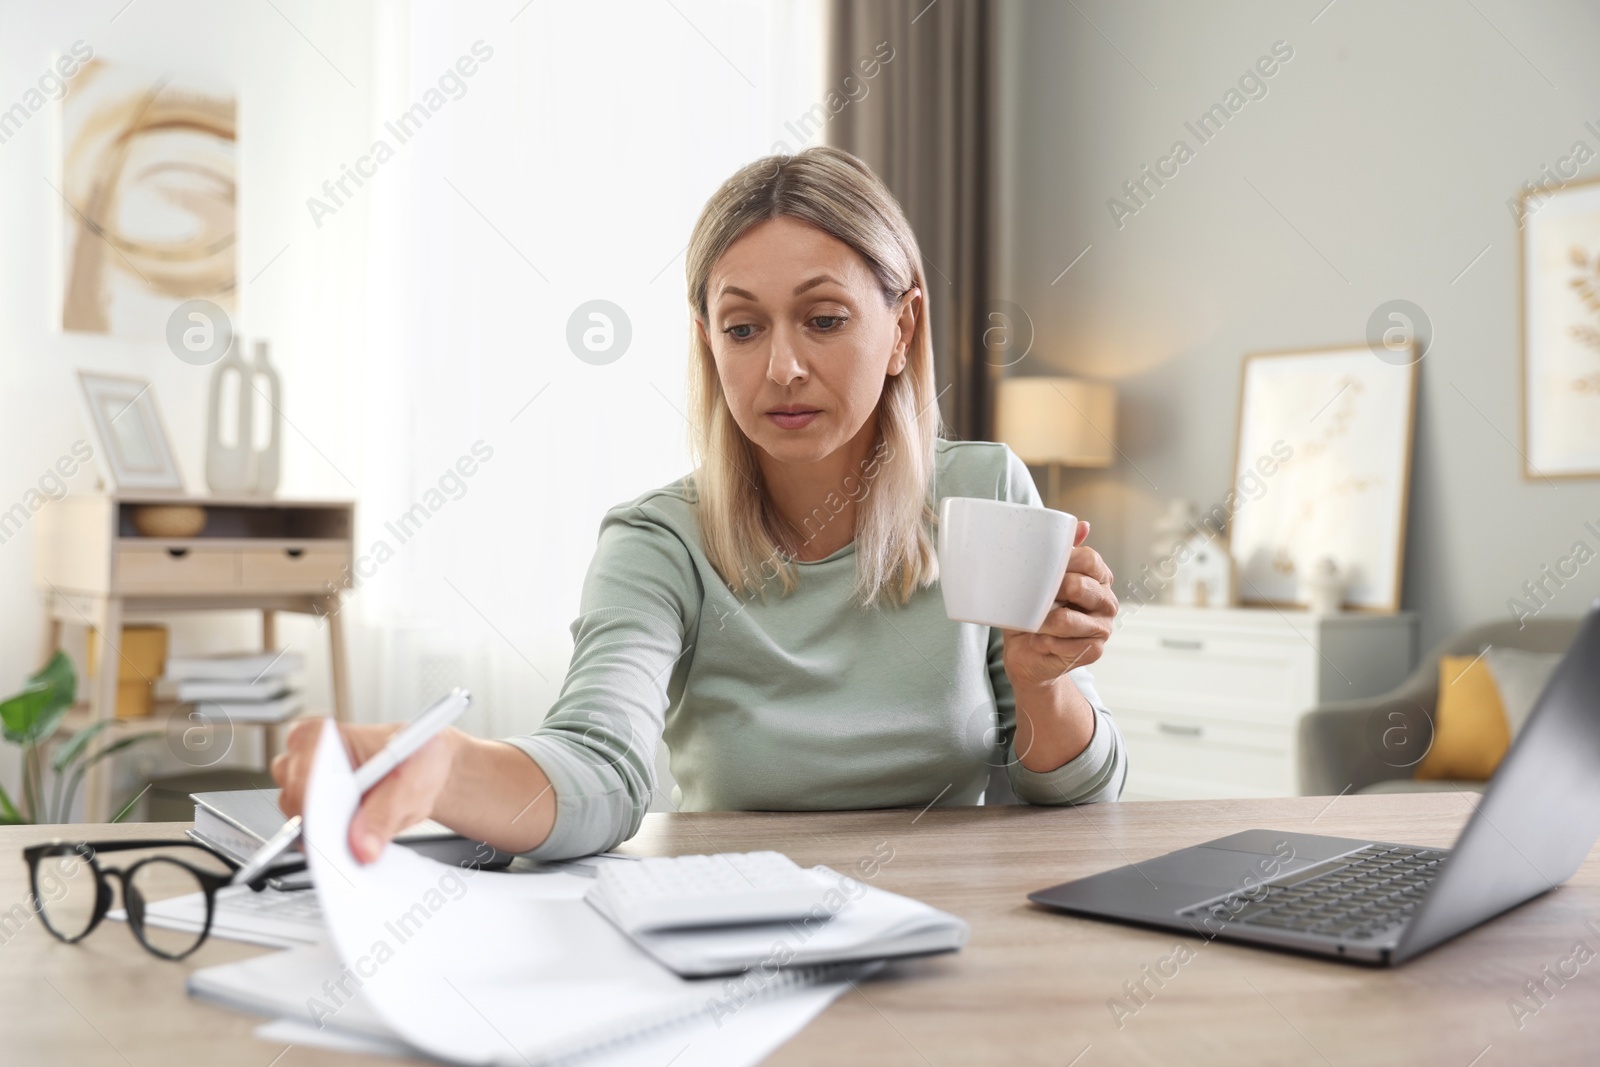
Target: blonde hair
{"type": "Point", "coordinates": [742, 534]}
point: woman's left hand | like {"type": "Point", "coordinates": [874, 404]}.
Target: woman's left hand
{"type": "Point", "coordinates": [1074, 633]}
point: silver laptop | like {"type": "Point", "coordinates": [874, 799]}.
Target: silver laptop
{"type": "Point", "coordinates": [1384, 903]}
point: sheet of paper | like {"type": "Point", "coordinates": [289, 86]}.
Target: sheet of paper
{"type": "Point", "coordinates": [271, 918]}
{"type": "Point", "coordinates": [742, 1040]}
{"type": "Point", "coordinates": [298, 985]}
{"type": "Point", "coordinates": [278, 919]}
{"type": "Point", "coordinates": [309, 985]}
{"type": "Point", "coordinates": [462, 969]}
{"type": "Point", "coordinates": [294, 1032]}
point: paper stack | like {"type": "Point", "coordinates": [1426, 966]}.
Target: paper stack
{"type": "Point", "coordinates": [481, 967]}
{"type": "Point", "coordinates": [243, 687]}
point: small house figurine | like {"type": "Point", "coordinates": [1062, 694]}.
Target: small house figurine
{"type": "Point", "coordinates": [1324, 587]}
{"type": "Point", "coordinates": [1205, 574]}
{"type": "Point", "coordinates": [1172, 529]}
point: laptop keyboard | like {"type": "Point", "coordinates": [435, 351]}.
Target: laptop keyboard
{"type": "Point", "coordinates": [1356, 896]}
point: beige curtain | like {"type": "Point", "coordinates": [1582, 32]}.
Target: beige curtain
{"type": "Point", "coordinates": [922, 123]}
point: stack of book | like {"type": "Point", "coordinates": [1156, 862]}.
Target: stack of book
{"type": "Point", "coordinates": [243, 687]}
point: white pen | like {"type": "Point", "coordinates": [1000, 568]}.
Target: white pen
{"type": "Point", "coordinates": [416, 733]}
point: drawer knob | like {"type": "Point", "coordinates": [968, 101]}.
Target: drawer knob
{"type": "Point", "coordinates": [177, 553]}
{"type": "Point", "coordinates": [294, 553]}
{"type": "Point", "coordinates": [1181, 643]}
{"type": "Point", "coordinates": [1180, 729]}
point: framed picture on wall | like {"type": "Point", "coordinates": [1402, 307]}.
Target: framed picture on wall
{"type": "Point", "coordinates": [149, 199]}
{"type": "Point", "coordinates": [1322, 468]}
{"type": "Point", "coordinates": [1561, 331]}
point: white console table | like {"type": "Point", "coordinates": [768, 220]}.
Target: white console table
{"type": "Point", "coordinates": [1209, 700]}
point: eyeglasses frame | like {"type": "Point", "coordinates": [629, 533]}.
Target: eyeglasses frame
{"type": "Point", "coordinates": [210, 883]}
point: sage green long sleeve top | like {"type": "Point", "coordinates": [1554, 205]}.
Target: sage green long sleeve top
{"type": "Point", "coordinates": [795, 703]}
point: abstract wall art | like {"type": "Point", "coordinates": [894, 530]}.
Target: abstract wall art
{"type": "Point", "coordinates": [149, 195]}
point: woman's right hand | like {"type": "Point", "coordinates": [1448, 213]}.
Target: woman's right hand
{"type": "Point", "coordinates": [406, 795]}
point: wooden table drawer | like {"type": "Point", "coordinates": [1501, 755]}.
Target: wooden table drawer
{"type": "Point", "coordinates": [292, 569]}
{"type": "Point", "coordinates": [155, 569]}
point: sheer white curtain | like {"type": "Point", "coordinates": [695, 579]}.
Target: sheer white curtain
{"type": "Point", "coordinates": [568, 166]}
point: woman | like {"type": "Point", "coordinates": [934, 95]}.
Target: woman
{"type": "Point", "coordinates": [775, 616]}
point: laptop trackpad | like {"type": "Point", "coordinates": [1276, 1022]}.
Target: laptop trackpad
{"type": "Point", "coordinates": [1214, 870]}
{"type": "Point", "coordinates": [1161, 885]}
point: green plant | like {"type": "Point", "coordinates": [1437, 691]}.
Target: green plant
{"type": "Point", "coordinates": [30, 719]}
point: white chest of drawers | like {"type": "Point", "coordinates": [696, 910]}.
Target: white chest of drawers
{"type": "Point", "coordinates": [1209, 700]}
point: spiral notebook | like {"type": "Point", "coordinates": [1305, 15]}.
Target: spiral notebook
{"type": "Point", "coordinates": [856, 922]}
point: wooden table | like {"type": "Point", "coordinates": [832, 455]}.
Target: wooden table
{"type": "Point", "coordinates": [1031, 987]}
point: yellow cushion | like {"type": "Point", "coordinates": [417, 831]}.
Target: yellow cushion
{"type": "Point", "coordinates": [1470, 730]}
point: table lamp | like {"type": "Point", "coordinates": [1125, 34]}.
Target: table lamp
{"type": "Point", "coordinates": [1057, 422]}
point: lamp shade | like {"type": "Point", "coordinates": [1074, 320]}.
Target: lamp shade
{"type": "Point", "coordinates": [1068, 421]}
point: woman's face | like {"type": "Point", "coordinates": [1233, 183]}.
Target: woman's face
{"type": "Point", "coordinates": [803, 338]}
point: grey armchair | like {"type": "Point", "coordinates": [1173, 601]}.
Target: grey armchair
{"type": "Point", "coordinates": [1373, 745]}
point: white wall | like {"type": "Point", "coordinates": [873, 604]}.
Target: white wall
{"type": "Point", "coordinates": [297, 116]}
{"type": "Point", "coordinates": [566, 172]}
{"type": "Point", "coordinates": [552, 181]}
{"type": "Point", "coordinates": [1391, 141]}
{"type": "Point", "coordinates": [411, 323]}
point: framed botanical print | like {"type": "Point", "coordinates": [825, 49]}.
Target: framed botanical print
{"type": "Point", "coordinates": [1322, 472]}
{"type": "Point", "coordinates": [1561, 331]}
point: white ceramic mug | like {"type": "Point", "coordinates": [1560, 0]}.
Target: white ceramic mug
{"type": "Point", "coordinates": [1001, 564]}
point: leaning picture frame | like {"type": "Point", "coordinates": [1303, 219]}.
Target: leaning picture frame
{"type": "Point", "coordinates": [134, 448]}
{"type": "Point", "coordinates": [1322, 470]}
{"type": "Point", "coordinates": [1559, 253]}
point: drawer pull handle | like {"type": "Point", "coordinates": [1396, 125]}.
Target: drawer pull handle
{"type": "Point", "coordinates": [177, 553]}
{"type": "Point", "coordinates": [1187, 646]}
{"type": "Point", "coordinates": [1180, 729]}
{"type": "Point", "coordinates": [294, 553]}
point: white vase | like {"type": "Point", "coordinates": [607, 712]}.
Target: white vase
{"type": "Point", "coordinates": [269, 459]}
{"type": "Point", "coordinates": [230, 455]}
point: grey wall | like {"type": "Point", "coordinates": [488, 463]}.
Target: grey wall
{"type": "Point", "coordinates": [1381, 161]}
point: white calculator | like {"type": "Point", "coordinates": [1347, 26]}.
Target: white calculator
{"type": "Point", "coordinates": [726, 889]}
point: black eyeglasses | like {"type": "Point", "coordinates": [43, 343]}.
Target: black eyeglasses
{"type": "Point", "coordinates": [72, 891]}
